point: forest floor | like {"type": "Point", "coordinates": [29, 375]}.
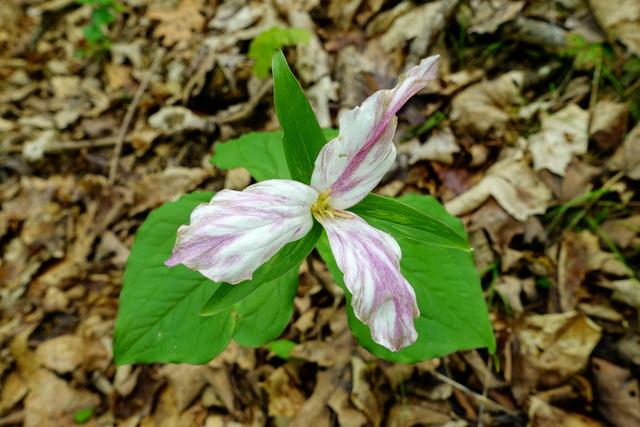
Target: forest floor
{"type": "Point", "coordinates": [530, 135]}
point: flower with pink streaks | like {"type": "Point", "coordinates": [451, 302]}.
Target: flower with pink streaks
{"type": "Point", "coordinates": [230, 237]}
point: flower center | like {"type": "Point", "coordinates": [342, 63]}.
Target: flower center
{"type": "Point", "coordinates": [321, 208]}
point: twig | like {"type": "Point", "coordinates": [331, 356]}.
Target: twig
{"type": "Point", "coordinates": [113, 170]}
{"type": "Point", "coordinates": [467, 390]}
{"type": "Point", "coordinates": [485, 390]}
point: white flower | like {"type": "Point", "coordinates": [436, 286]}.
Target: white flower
{"type": "Point", "coordinates": [236, 232]}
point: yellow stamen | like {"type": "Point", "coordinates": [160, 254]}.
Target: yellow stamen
{"type": "Point", "coordinates": [321, 209]}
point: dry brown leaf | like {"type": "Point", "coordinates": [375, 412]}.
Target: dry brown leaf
{"type": "Point", "coordinates": [609, 123]}
{"type": "Point", "coordinates": [417, 413]}
{"type": "Point", "coordinates": [178, 24]}
{"type": "Point", "coordinates": [617, 393]}
{"type": "Point", "coordinates": [440, 147]}
{"type": "Point", "coordinates": [510, 287]}
{"type": "Point", "coordinates": [219, 380]}
{"type": "Point", "coordinates": [629, 348]}
{"type": "Point", "coordinates": [186, 381]}
{"type": "Point", "coordinates": [513, 184]}
{"type": "Point", "coordinates": [173, 119]}
{"type": "Point", "coordinates": [489, 15]}
{"type": "Point", "coordinates": [420, 22]}
{"type": "Point", "coordinates": [362, 396]}
{"type": "Point", "coordinates": [13, 391]}
{"type": "Point", "coordinates": [626, 291]}
{"type": "Point", "coordinates": [53, 402]}
{"type": "Point", "coordinates": [61, 354]}
{"type": "Point", "coordinates": [125, 379]}
{"type": "Point", "coordinates": [285, 399]}
{"type": "Point", "coordinates": [563, 134]}
{"type": "Point", "coordinates": [500, 226]}
{"type": "Point", "coordinates": [549, 349]}
{"type": "Point", "coordinates": [579, 254]}
{"type": "Point", "coordinates": [314, 412]}
{"type": "Point", "coordinates": [237, 179]}
{"type": "Point", "coordinates": [627, 157]}
{"type": "Point", "coordinates": [541, 414]}
{"type": "Point", "coordinates": [620, 19]}
{"type": "Point", "coordinates": [479, 110]}
{"type": "Point", "coordinates": [166, 186]}
{"type": "Point", "coordinates": [348, 415]}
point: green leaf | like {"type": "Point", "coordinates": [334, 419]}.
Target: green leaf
{"type": "Point", "coordinates": [287, 258]}
{"type": "Point", "coordinates": [83, 416]}
{"type": "Point", "coordinates": [453, 314]}
{"type": "Point", "coordinates": [263, 317]}
{"type": "Point", "coordinates": [93, 33]}
{"type": "Point", "coordinates": [259, 152]}
{"type": "Point", "coordinates": [405, 222]}
{"type": "Point", "coordinates": [262, 47]}
{"type": "Point", "coordinates": [102, 16]}
{"type": "Point", "coordinates": [282, 348]}
{"type": "Point", "coordinates": [159, 317]}
{"type": "Point", "coordinates": [303, 139]}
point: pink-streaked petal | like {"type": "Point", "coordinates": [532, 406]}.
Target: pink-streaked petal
{"type": "Point", "coordinates": [352, 164]}
{"type": "Point", "coordinates": [238, 231]}
{"type": "Point", "coordinates": [382, 298]}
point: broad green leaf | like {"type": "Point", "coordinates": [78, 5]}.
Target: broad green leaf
{"type": "Point", "coordinates": [405, 222]}
{"type": "Point", "coordinates": [263, 317]}
{"type": "Point", "coordinates": [303, 139]}
{"type": "Point", "coordinates": [159, 317]}
{"type": "Point", "coordinates": [287, 258]}
{"type": "Point", "coordinates": [259, 152]}
{"type": "Point", "coordinates": [453, 314]}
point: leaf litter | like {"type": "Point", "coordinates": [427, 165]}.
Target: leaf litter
{"type": "Point", "coordinates": [538, 153]}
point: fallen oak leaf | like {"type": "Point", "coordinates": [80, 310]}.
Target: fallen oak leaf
{"type": "Point", "coordinates": [179, 24]}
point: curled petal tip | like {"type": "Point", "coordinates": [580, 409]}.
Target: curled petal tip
{"type": "Point", "coordinates": [354, 163]}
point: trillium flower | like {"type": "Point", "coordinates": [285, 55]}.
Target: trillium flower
{"type": "Point", "coordinates": [230, 237]}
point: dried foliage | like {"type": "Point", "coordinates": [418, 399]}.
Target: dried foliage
{"type": "Point", "coordinates": [537, 148]}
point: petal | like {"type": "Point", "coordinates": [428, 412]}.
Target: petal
{"type": "Point", "coordinates": [352, 164]}
{"type": "Point", "coordinates": [238, 231]}
{"type": "Point", "coordinates": [382, 298]}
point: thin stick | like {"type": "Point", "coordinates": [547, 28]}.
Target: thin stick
{"type": "Point", "coordinates": [467, 390]}
{"type": "Point", "coordinates": [485, 390]}
{"type": "Point", "coordinates": [113, 170]}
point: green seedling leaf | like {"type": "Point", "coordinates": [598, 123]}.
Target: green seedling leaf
{"type": "Point", "coordinates": [282, 348]}
{"type": "Point", "coordinates": [262, 47]}
{"type": "Point", "coordinates": [453, 314]}
{"type": "Point", "coordinates": [303, 139]}
{"type": "Point", "coordinates": [93, 33]}
{"type": "Point", "coordinates": [289, 257]}
{"type": "Point", "coordinates": [405, 222]}
{"type": "Point", "coordinates": [83, 416]}
{"type": "Point", "coordinates": [102, 16]}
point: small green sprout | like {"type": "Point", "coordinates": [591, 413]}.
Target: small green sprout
{"type": "Point", "coordinates": [104, 13]}
{"type": "Point", "coordinates": [83, 416]}
{"type": "Point", "coordinates": [262, 47]}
